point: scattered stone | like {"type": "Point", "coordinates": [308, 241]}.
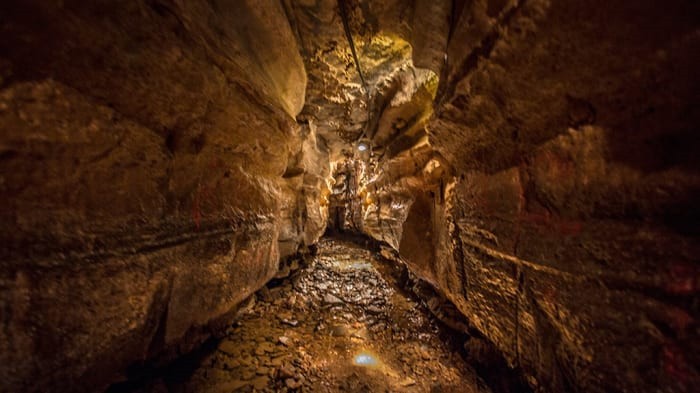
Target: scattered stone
{"type": "Point", "coordinates": [262, 371]}
{"type": "Point", "coordinates": [264, 294]}
{"type": "Point", "coordinates": [261, 382]}
{"type": "Point", "coordinates": [276, 293]}
{"type": "Point", "coordinates": [277, 361]}
{"type": "Point", "coordinates": [285, 271]}
{"type": "Point", "coordinates": [247, 375]}
{"type": "Point", "coordinates": [229, 347]}
{"type": "Point", "coordinates": [290, 322]}
{"type": "Point", "coordinates": [360, 334]}
{"type": "Point", "coordinates": [247, 306]}
{"type": "Point", "coordinates": [339, 330]}
{"type": "Point", "coordinates": [387, 254]}
{"type": "Point", "coordinates": [292, 383]}
{"type": "Point", "coordinates": [285, 315]}
{"type": "Point", "coordinates": [267, 347]}
{"type": "Point", "coordinates": [294, 265]}
{"type": "Point", "coordinates": [373, 310]}
{"type": "Point", "coordinates": [331, 299]}
{"type": "Point", "coordinates": [287, 371]}
{"type": "Point", "coordinates": [298, 340]}
{"type": "Point", "coordinates": [231, 363]}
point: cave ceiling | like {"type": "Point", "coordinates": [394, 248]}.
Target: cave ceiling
{"type": "Point", "coordinates": [387, 102]}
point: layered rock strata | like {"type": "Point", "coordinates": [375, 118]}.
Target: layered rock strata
{"type": "Point", "coordinates": [562, 225]}
{"type": "Point", "coordinates": [152, 176]}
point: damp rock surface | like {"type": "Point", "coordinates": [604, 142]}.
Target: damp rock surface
{"type": "Point", "coordinates": [152, 177]}
{"type": "Point", "coordinates": [337, 325]}
{"type": "Point", "coordinates": [535, 161]}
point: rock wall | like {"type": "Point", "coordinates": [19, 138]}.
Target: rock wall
{"type": "Point", "coordinates": [563, 224]}
{"type": "Point", "coordinates": [533, 160]}
{"type": "Point", "coordinates": [148, 152]}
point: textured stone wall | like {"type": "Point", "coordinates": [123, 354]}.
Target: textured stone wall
{"type": "Point", "coordinates": [536, 161]}
{"type": "Point", "coordinates": [152, 175]}
{"type": "Point", "coordinates": [567, 236]}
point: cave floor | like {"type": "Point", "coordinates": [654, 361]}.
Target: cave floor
{"type": "Point", "coordinates": [335, 325]}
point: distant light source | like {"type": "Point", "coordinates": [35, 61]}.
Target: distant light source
{"type": "Point", "coordinates": [365, 359]}
{"type": "Point", "coordinates": [362, 146]}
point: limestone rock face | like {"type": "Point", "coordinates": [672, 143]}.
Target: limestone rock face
{"type": "Point", "coordinates": [148, 151]}
{"type": "Point", "coordinates": [339, 102]}
{"type": "Point", "coordinates": [560, 220]}
{"type": "Point", "coordinates": [534, 160]}
{"type": "Point", "coordinates": [304, 211]}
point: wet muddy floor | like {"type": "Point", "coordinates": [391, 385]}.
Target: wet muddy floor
{"type": "Point", "coordinates": [335, 325]}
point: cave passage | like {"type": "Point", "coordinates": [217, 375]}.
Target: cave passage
{"type": "Point", "coordinates": [349, 318]}
{"type": "Point", "coordinates": [349, 195]}
{"type": "Point", "coordinates": [336, 325]}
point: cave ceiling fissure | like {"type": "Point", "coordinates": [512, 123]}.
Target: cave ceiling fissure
{"type": "Point", "coordinates": [363, 89]}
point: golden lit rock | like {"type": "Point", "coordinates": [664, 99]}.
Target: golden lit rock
{"type": "Point", "coordinates": [529, 169]}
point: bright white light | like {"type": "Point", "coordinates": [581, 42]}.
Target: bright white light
{"type": "Point", "coordinates": [361, 147]}
{"type": "Point", "coordinates": [364, 359]}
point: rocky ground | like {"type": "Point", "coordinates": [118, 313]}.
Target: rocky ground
{"type": "Point", "coordinates": [335, 325]}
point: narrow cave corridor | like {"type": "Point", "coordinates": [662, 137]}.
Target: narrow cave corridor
{"type": "Point", "coordinates": [349, 195]}
{"type": "Point", "coordinates": [338, 325]}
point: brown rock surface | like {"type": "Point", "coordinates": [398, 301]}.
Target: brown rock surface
{"type": "Point", "coordinates": [144, 149]}
{"type": "Point", "coordinates": [535, 161]}
{"type": "Point", "coordinates": [377, 338]}
{"type": "Point", "coordinates": [563, 228]}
